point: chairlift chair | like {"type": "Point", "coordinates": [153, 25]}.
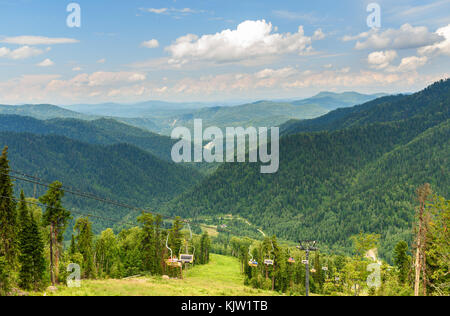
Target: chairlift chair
{"type": "Point", "coordinates": [268, 261]}
{"type": "Point", "coordinates": [252, 263]}
{"type": "Point", "coordinates": [171, 261]}
{"type": "Point", "coordinates": [186, 257]}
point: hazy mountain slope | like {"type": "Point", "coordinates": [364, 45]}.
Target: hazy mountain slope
{"type": "Point", "coordinates": [120, 172]}
{"type": "Point", "coordinates": [258, 114]}
{"type": "Point", "coordinates": [332, 101]}
{"type": "Point", "coordinates": [42, 111]}
{"type": "Point", "coordinates": [433, 99]}
{"type": "Point", "coordinates": [102, 131]}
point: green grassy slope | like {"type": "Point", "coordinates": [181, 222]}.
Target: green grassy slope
{"type": "Point", "coordinates": [221, 277]}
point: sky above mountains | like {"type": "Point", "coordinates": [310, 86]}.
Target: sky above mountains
{"type": "Point", "coordinates": [131, 51]}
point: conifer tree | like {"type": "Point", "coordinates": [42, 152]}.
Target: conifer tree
{"type": "Point", "coordinates": [176, 238]}
{"type": "Point", "coordinates": [84, 239]}
{"type": "Point", "coordinates": [402, 261]}
{"type": "Point", "coordinates": [31, 259]}
{"type": "Point", "coordinates": [57, 218]}
{"type": "Point", "coordinates": [148, 242]}
{"type": "Point", "coordinates": [25, 245]}
{"type": "Point", "coordinates": [158, 245]}
{"type": "Point", "coordinates": [8, 214]}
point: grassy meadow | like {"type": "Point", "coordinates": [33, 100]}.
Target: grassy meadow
{"type": "Point", "coordinates": [221, 277]}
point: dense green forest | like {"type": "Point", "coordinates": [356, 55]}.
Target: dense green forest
{"type": "Point", "coordinates": [333, 184]}
{"type": "Point", "coordinates": [118, 172]}
{"type": "Point", "coordinates": [432, 100]}
{"type": "Point", "coordinates": [101, 131]}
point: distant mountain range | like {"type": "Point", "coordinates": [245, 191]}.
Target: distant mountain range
{"type": "Point", "coordinates": [161, 117]}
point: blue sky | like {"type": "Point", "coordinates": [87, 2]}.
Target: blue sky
{"type": "Point", "coordinates": [130, 51]}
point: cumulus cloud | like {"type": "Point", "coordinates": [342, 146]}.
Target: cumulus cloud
{"type": "Point", "coordinates": [409, 64]}
{"type": "Point", "coordinates": [441, 48]}
{"type": "Point", "coordinates": [134, 86]}
{"type": "Point", "coordinates": [156, 11]}
{"type": "Point", "coordinates": [46, 63]}
{"type": "Point", "coordinates": [37, 40]}
{"type": "Point", "coordinates": [318, 35]}
{"type": "Point", "coordinates": [251, 39]}
{"type": "Point", "coordinates": [150, 44]}
{"type": "Point", "coordinates": [381, 60]}
{"type": "Point", "coordinates": [406, 37]}
{"type": "Point", "coordinates": [23, 52]}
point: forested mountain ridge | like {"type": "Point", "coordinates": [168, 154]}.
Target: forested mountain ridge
{"type": "Point", "coordinates": [42, 111]}
{"type": "Point", "coordinates": [332, 101]}
{"type": "Point", "coordinates": [119, 172]}
{"type": "Point", "coordinates": [328, 186]}
{"type": "Point", "coordinates": [433, 99]}
{"type": "Point", "coordinates": [101, 131]}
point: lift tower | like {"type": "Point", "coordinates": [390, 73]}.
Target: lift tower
{"type": "Point", "coordinates": [307, 246]}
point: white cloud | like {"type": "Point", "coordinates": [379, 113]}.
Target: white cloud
{"type": "Point", "coordinates": [156, 11]}
{"type": "Point", "coordinates": [441, 48]}
{"type": "Point", "coordinates": [183, 11]}
{"type": "Point", "coordinates": [23, 52]}
{"type": "Point", "coordinates": [76, 69]}
{"type": "Point", "coordinates": [37, 40]}
{"type": "Point", "coordinates": [46, 63]}
{"type": "Point", "coordinates": [350, 38]}
{"type": "Point", "coordinates": [409, 64]}
{"type": "Point", "coordinates": [381, 60]}
{"type": "Point", "coordinates": [406, 37]}
{"type": "Point", "coordinates": [101, 61]}
{"type": "Point", "coordinates": [150, 44]}
{"type": "Point", "coordinates": [318, 35]}
{"type": "Point", "coordinates": [251, 39]}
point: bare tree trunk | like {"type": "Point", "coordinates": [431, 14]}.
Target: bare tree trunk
{"type": "Point", "coordinates": [417, 265]}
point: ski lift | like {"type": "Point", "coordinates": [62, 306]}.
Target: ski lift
{"type": "Point", "coordinates": [171, 261]}
{"type": "Point", "coordinates": [252, 263]}
{"type": "Point", "coordinates": [269, 261]}
{"type": "Point", "coordinates": [186, 257]}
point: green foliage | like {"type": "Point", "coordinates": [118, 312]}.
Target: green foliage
{"type": "Point", "coordinates": [362, 243]}
{"type": "Point", "coordinates": [203, 251]}
{"type": "Point", "coordinates": [8, 213]}
{"type": "Point", "coordinates": [438, 247]}
{"type": "Point", "coordinates": [31, 258]}
{"type": "Point", "coordinates": [84, 238]}
{"type": "Point", "coordinates": [402, 261]}
{"type": "Point", "coordinates": [5, 281]}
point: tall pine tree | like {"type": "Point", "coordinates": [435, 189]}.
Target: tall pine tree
{"type": "Point", "coordinates": [32, 262]}
{"type": "Point", "coordinates": [84, 238]}
{"type": "Point", "coordinates": [8, 214]}
{"type": "Point", "coordinates": [57, 218]}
